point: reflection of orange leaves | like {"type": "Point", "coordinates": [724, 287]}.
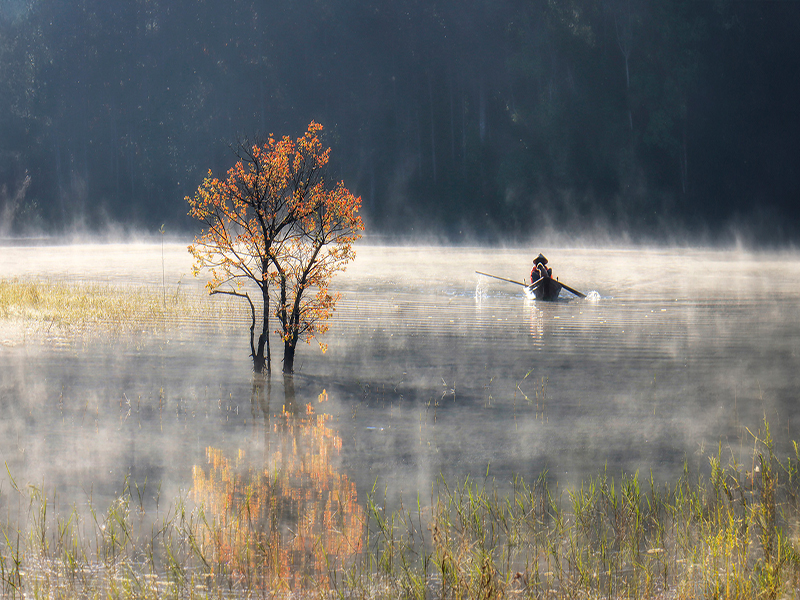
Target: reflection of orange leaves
{"type": "Point", "coordinates": [292, 520]}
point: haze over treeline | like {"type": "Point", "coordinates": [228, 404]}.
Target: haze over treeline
{"type": "Point", "coordinates": [487, 118]}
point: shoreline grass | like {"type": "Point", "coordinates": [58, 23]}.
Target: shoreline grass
{"type": "Point", "coordinates": [64, 304]}
{"type": "Point", "coordinates": [731, 533]}
{"type": "Point", "coordinates": [29, 307]}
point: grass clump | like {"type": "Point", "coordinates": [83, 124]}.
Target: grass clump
{"type": "Point", "coordinates": [52, 306]}
{"type": "Point", "coordinates": [64, 304]}
{"type": "Point", "coordinates": [731, 533]}
{"type": "Point", "coordinates": [292, 529]}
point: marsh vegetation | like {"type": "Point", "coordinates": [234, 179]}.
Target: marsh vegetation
{"type": "Point", "coordinates": [295, 528]}
{"type": "Point", "coordinates": [42, 303]}
{"type": "Point", "coordinates": [52, 308]}
{"type": "Point", "coordinates": [456, 441]}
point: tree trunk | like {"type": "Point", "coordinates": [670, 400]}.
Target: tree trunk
{"type": "Point", "coordinates": [283, 317]}
{"type": "Point", "coordinates": [289, 347]}
{"type": "Point", "coordinates": [290, 342]}
{"type": "Point", "coordinates": [292, 331]}
{"type": "Point", "coordinates": [291, 322]}
{"type": "Point", "coordinates": [262, 362]}
{"type": "Point", "coordinates": [259, 361]}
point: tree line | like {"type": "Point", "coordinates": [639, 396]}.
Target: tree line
{"type": "Point", "coordinates": [492, 118]}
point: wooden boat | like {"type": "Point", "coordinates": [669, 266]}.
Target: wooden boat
{"type": "Point", "coordinates": [546, 288]}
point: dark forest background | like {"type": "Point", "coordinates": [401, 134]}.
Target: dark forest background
{"type": "Point", "coordinates": [487, 119]}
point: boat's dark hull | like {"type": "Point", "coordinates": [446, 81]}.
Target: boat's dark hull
{"type": "Point", "coordinates": [546, 289]}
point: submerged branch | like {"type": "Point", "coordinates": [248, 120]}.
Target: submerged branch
{"type": "Point", "coordinates": [252, 314]}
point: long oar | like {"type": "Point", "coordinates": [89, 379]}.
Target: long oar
{"type": "Point", "coordinates": [569, 289]}
{"type": "Point", "coordinates": [502, 279]}
{"type": "Point", "coordinates": [564, 285]}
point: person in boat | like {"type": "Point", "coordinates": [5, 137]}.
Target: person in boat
{"type": "Point", "coordinates": [540, 268]}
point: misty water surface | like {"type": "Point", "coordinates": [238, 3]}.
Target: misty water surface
{"type": "Point", "coordinates": [430, 370]}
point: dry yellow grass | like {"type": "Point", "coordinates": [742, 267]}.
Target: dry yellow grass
{"type": "Point", "coordinates": [64, 304]}
{"type": "Point", "coordinates": [56, 307]}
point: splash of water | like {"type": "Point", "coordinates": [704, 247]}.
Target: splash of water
{"type": "Point", "coordinates": [479, 291]}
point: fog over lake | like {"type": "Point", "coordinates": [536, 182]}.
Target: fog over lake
{"type": "Point", "coordinates": [430, 369]}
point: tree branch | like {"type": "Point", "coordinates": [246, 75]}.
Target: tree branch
{"type": "Point", "coordinates": [252, 314]}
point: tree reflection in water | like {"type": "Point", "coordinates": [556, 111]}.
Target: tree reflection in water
{"type": "Point", "coordinates": [289, 522]}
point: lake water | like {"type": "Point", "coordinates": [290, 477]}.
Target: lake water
{"type": "Point", "coordinates": [431, 369]}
